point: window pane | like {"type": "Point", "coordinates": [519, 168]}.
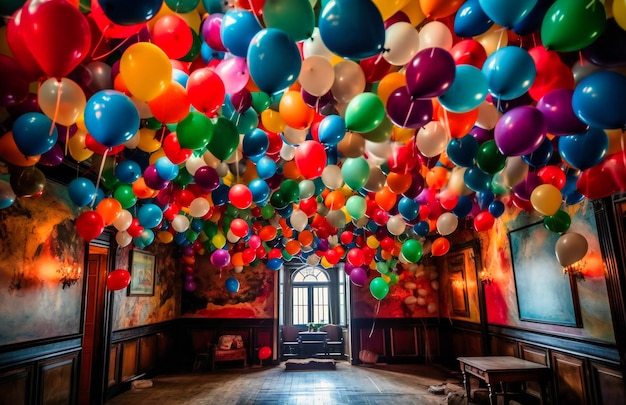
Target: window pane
{"type": "Point", "coordinates": [321, 308]}
{"type": "Point", "coordinates": [342, 298]}
{"type": "Point", "coordinates": [300, 305]}
{"type": "Point", "coordinates": [310, 275]}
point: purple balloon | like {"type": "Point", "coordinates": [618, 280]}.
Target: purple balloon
{"type": "Point", "coordinates": [190, 286]}
{"type": "Point", "coordinates": [430, 73]}
{"type": "Point", "coordinates": [220, 258]}
{"type": "Point", "coordinates": [416, 187]}
{"type": "Point", "coordinates": [408, 112]}
{"type": "Point", "coordinates": [323, 245]}
{"type": "Point", "coordinates": [153, 180]}
{"type": "Point", "coordinates": [507, 105]}
{"type": "Point", "coordinates": [207, 178]}
{"type": "Point", "coordinates": [211, 32]}
{"type": "Point", "coordinates": [316, 102]}
{"type": "Point", "coordinates": [241, 100]}
{"type": "Point", "coordinates": [481, 134]}
{"type": "Point", "coordinates": [358, 276]}
{"type": "Point", "coordinates": [53, 157]}
{"type": "Point", "coordinates": [556, 107]}
{"type": "Point", "coordinates": [28, 105]}
{"type": "Point", "coordinates": [524, 189]}
{"type": "Point", "coordinates": [348, 267]}
{"type": "Point", "coordinates": [520, 131]}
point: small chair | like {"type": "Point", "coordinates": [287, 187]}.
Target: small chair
{"type": "Point", "coordinates": [334, 340]}
{"type": "Point", "coordinates": [229, 348]}
{"type": "Point", "coordinates": [290, 341]}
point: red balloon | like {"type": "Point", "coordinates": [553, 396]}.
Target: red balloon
{"type": "Point", "coordinates": [206, 90]}
{"type": "Point", "coordinates": [100, 149]}
{"type": "Point", "coordinates": [375, 68]}
{"type": "Point", "coordinates": [89, 225]}
{"type": "Point", "coordinates": [240, 196]}
{"type": "Point", "coordinates": [440, 247]}
{"type": "Point", "coordinates": [609, 177]}
{"type": "Point", "coordinates": [552, 175]}
{"type": "Point", "coordinates": [172, 34]}
{"type": "Point", "coordinates": [469, 52]}
{"type": "Point", "coordinates": [58, 35]}
{"type": "Point", "coordinates": [135, 229]}
{"type": "Point", "coordinates": [174, 152]}
{"type": "Point", "coordinates": [310, 158]}
{"type": "Point", "coordinates": [18, 47]}
{"type": "Point", "coordinates": [355, 257]}
{"type": "Point", "coordinates": [265, 352]}
{"type": "Point", "coordinates": [118, 279]}
{"type": "Point", "coordinates": [483, 221]}
{"type": "Point", "coordinates": [239, 227]}
{"type": "Point", "coordinates": [172, 105]}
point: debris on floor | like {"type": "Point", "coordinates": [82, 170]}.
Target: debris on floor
{"type": "Point", "coordinates": [139, 384]}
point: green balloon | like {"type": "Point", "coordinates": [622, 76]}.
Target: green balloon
{"type": "Point", "coordinates": [382, 268]}
{"type": "Point", "coordinates": [290, 191]}
{"type": "Point", "coordinates": [108, 179]}
{"type": "Point", "coordinates": [210, 229]}
{"type": "Point", "coordinates": [295, 17]}
{"type": "Point", "coordinates": [247, 121]}
{"type": "Point", "coordinates": [497, 184]}
{"type": "Point", "coordinates": [277, 200]}
{"type": "Point", "coordinates": [182, 6]}
{"type": "Point", "coordinates": [489, 159]}
{"type": "Point", "coordinates": [267, 212]}
{"type": "Point", "coordinates": [412, 250]}
{"type": "Point", "coordinates": [183, 178]}
{"type": "Point", "coordinates": [379, 288]}
{"type": "Point", "coordinates": [381, 133]}
{"type": "Point", "coordinates": [356, 206]}
{"type": "Point", "coordinates": [355, 172]}
{"type": "Point", "coordinates": [260, 101]}
{"type": "Point", "coordinates": [571, 25]}
{"type": "Point", "coordinates": [225, 141]}
{"type": "Point", "coordinates": [191, 235]}
{"type": "Point", "coordinates": [194, 131]}
{"type": "Point", "coordinates": [558, 223]}
{"type": "Point", "coordinates": [364, 112]}
{"type": "Point", "coordinates": [124, 194]}
{"type": "Point", "coordinates": [152, 123]}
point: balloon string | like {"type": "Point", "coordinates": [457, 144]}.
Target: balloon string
{"type": "Point", "coordinates": [104, 55]}
{"type": "Point", "coordinates": [56, 108]}
{"type": "Point", "coordinates": [236, 166]}
{"type": "Point", "coordinates": [592, 3]}
{"type": "Point", "coordinates": [446, 124]}
{"type": "Point", "coordinates": [67, 139]}
{"type": "Point", "coordinates": [580, 55]}
{"type": "Point", "coordinates": [104, 158]}
{"type": "Point", "coordinates": [374, 320]}
{"type": "Point", "coordinates": [408, 114]}
{"type": "Point", "coordinates": [500, 39]}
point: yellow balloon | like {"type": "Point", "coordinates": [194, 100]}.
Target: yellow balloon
{"type": "Point", "coordinates": [493, 39]}
{"type": "Point", "coordinates": [372, 242]}
{"type": "Point", "coordinates": [218, 240]}
{"type": "Point", "coordinates": [156, 156]}
{"type": "Point", "coordinates": [388, 8]}
{"type": "Point", "coordinates": [389, 84]}
{"type": "Point", "coordinates": [77, 147]}
{"type": "Point", "coordinates": [146, 70]}
{"type": "Point", "coordinates": [63, 100]}
{"type": "Point", "coordinates": [402, 134]}
{"type": "Point", "coordinates": [546, 199]}
{"type": "Point", "coordinates": [147, 141]}
{"type": "Point", "coordinates": [165, 236]}
{"type": "Point", "coordinates": [413, 10]}
{"type": "Point", "coordinates": [617, 140]}
{"type": "Point", "coordinates": [325, 263]}
{"type": "Point", "coordinates": [619, 12]}
{"type": "Point", "coordinates": [272, 121]}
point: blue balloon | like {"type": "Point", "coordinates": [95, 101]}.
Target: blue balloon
{"type": "Point", "coordinates": [598, 100]}
{"type": "Point", "coordinates": [471, 20]}
{"type": "Point", "coordinates": [265, 167]}
{"type": "Point", "coordinates": [166, 169]}
{"type": "Point", "coordinates": [496, 208]}
{"type": "Point", "coordinates": [180, 77]}
{"type": "Point", "coordinates": [510, 71]}
{"type": "Point", "coordinates": [462, 151]}
{"type": "Point", "coordinates": [484, 198]}
{"type": "Point", "coordinates": [237, 30]}
{"type": "Point", "coordinates": [81, 191]}
{"type": "Point", "coordinates": [150, 215]}
{"type": "Point", "coordinates": [274, 264]}
{"type": "Point", "coordinates": [128, 171]}
{"type": "Point", "coordinates": [214, 6]}
{"type": "Point", "coordinates": [220, 195]}
{"type": "Point", "coordinates": [124, 12]}
{"type": "Point", "coordinates": [408, 208]}
{"type": "Point", "coordinates": [7, 196]}
{"type": "Point", "coordinates": [540, 156]}
{"type": "Point", "coordinates": [273, 60]}
{"type": "Point", "coordinates": [352, 29]}
{"type": "Point", "coordinates": [532, 21]}
{"type": "Point", "coordinates": [196, 224]}
{"type": "Point", "coordinates": [146, 237]}
{"type": "Point", "coordinates": [467, 91]}
{"type": "Point", "coordinates": [463, 206]}
{"type": "Point", "coordinates": [586, 150]}
{"type": "Point", "coordinates": [255, 143]}
{"type": "Point", "coordinates": [111, 117]}
{"type": "Point", "coordinates": [259, 189]}
{"type": "Point", "coordinates": [232, 284]}
{"type": "Point", "coordinates": [331, 130]}
{"type": "Point", "coordinates": [477, 180]}
{"type": "Point", "coordinates": [422, 228]}
{"type": "Point", "coordinates": [507, 13]}
{"type": "Point", "coordinates": [31, 133]}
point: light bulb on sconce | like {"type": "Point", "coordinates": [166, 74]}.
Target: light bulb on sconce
{"type": "Point", "coordinates": [69, 275]}
{"type": "Point", "coordinates": [485, 276]}
{"type": "Point", "coordinates": [576, 270]}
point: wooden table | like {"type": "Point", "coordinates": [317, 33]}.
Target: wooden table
{"type": "Point", "coordinates": [504, 369]}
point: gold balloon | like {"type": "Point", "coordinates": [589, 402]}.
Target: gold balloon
{"type": "Point", "coordinates": [494, 39]}
{"type": "Point", "coordinates": [352, 145]}
{"type": "Point", "coordinates": [146, 70]}
{"type": "Point", "coordinates": [77, 147]}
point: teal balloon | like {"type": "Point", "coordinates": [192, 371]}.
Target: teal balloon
{"type": "Point", "coordinates": [182, 6]}
{"type": "Point", "coordinates": [237, 30]}
{"type": "Point", "coordinates": [598, 100]}
{"type": "Point", "coordinates": [510, 71]}
{"type": "Point", "coordinates": [379, 288]}
{"type": "Point", "coordinates": [111, 117]}
{"type": "Point", "coordinates": [225, 143]}
{"type": "Point", "coordinates": [364, 112]}
{"type": "Point", "coordinates": [355, 172]}
{"type": "Point", "coordinates": [260, 101]}
{"type": "Point", "coordinates": [232, 284]}
{"type": "Point", "coordinates": [274, 60]}
{"type": "Point", "coordinates": [81, 191]}
{"type": "Point", "coordinates": [356, 206]}
{"type": "Point", "coordinates": [150, 215]}
{"type": "Point", "coordinates": [295, 17]}
{"type": "Point", "coordinates": [507, 13]}
{"type": "Point", "coordinates": [412, 250]}
{"type": "Point", "coordinates": [32, 135]}
{"type": "Point", "coordinates": [194, 131]}
{"type": "Point", "coordinates": [468, 89]}
{"type": "Point", "coordinates": [247, 121]}
{"type": "Point", "coordinates": [352, 29]}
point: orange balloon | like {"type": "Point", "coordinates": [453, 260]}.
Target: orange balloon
{"type": "Point", "coordinates": [437, 177]}
{"type": "Point", "coordinates": [459, 123]}
{"type": "Point", "coordinates": [305, 237]}
{"type": "Point", "coordinates": [172, 105]}
{"type": "Point", "coordinates": [294, 111]}
{"type": "Point", "coordinates": [110, 209]}
{"type": "Point", "coordinates": [290, 170]}
{"type": "Point", "coordinates": [11, 154]}
{"type": "Point", "coordinates": [385, 198]}
{"type": "Point", "coordinates": [141, 190]}
{"type": "Point", "coordinates": [292, 247]}
{"type": "Point", "coordinates": [119, 85]}
{"type": "Point", "coordinates": [335, 200]}
{"type": "Point", "coordinates": [237, 259]}
{"type": "Point", "coordinates": [441, 246]}
{"type": "Point", "coordinates": [389, 84]}
{"type": "Point", "coordinates": [435, 9]}
{"type": "Point", "coordinates": [399, 182]}
{"type": "Point", "coordinates": [268, 232]}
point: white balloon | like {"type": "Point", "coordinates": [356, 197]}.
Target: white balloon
{"type": "Point", "coordinates": [142, 108]}
{"type": "Point", "coordinates": [396, 225]}
{"type": "Point", "coordinates": [331, 177]}
{"type": "Point", "coordinates": [435, 34]}
{"type": "Point", "coordinates": [231, 237]}
{"type": "Point", "coordinates": [294, 136]}
{"type": "Point", "coordinates": [315, 46]}
{"type": "Point", "coordinates": [123, 238]}
{"type": "Point", "coordinates": [447, 223]}
{"type": "Point", "coordinates": [123, 220]}
{"type": "Point", "coordinates": [238, 269]}
{"type": "Point", "coordinates": [349, 81]}
{"type": "Point", "coordinates": [316, 75]}
{"type": "Point", "coordinates": [199, 207]}
{"type": "Point", "coordinates": [287, 152]}
{"type": "Point", "coordinates": [180, 223]}
{"type": "Point", "coordinates": [401, 43]}
{"type": "Point", "coordinates": [337, 219]}
{"type": "Point", "coordinates": [515, 171]}
{"type": "Point", "coordinates": [298, 220]}
{"type": "Point", "coordinates": [307, 189]}
{"type": "Point", "coordinates": [432, 139]}
{"type": "Point", "coordinates": [380, 150]}
{"type": "Point", "coordinates": [133, 142]}
{"type": "Point", "coordinates": [193, 163]}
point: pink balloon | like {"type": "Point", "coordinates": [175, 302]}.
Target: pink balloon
{"type": "Point", "coordinates": [234, 73]}
{"type": "Point", "coordinates": [211, 32]}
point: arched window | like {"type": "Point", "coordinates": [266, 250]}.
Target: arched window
{"type": "Point", "coordinates": [310, 296]}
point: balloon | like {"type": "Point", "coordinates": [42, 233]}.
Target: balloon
{"type": "Point", "coordinates": [406, 111]}
{"type": "Point", "coordinates": [357, 34]}
{"type": "Point", "coordinates": [531, 22]}
{"type": "Point", "coordinates": [237, 30]}
{"type": "Point", "coordinates": [570, 248]}
{"type": "Point", "coordinates": [585, 150]}
{"type": "Point", "coordinates": [447, 223]}
{"type": "Point", "coordinates": [349, 81]}
{"type": "Point", "coordinates": [609, 49]}
{"type": "Point", "coordinates": [379, 288]}
{"type": "Point", "coordinates": [619, 12]}
{"type": "Point", "coordinates": [331, 129]}
{"type": "Point", "coordinates": [435, 9]}
{"type": "Point", "coordinates": [265, 352]}
{"type": "Point", "coordinates": [489, 159]}
{"type": "Point", "coordinates": [118, 279]}
{"type": "Point", "coordinates": [232, 284]}
{"type": "Point", "coordinates": [150, 215]}
{"type": "Point", "coordinates": [62, 100]}
{"type": "Point", "coordinates": [520, 131]}
{"type": "Point", "coordinates": [316, 75]}
{"type": "Point", "coordinates": [440, 246]}
{"type": "Point", "coordinates": [572, 25]}
{"type": "Point", "coordinates": [483, 221]}
{"type": "Point", "coordinates": [123, 13]}
{"type": "Point", "coordinates": [273, 60]}
{"type": "Point", "coordinates": [510, 71]}
{"type": "Point", "coordinates": [430, 73]}
{"type": "Point", "coordinates": [358, 276]}
{"type": "Point", "coordinates": [556, 107]}
{"type": "Point", "coordinates": [295, 17]}
{"type": "Point", "coordinates": [34, 134]}
{"type": "Point", "coordinates": [469, 52]}
{"type": "Point", "coordinates": [435, 34]}
{"type": "Point", "coordinates": [355, 172]}
{"type": "Point", "coordinates": [206, 90]}
{"type": "Point", "coordinates": [467, 91]}
{"type": "Point", "coordinates": [294, 111]}
{"type": "Point", "coordinates": [401, 43]}
{"type": "Point", "coordinates": [604, 179]}
{"type": "Point", "coordinates": [81, 191]}
{"type": "Point", "coordinates": [559, 222]}
{"type": "Point", "coordinates": [234, 73]}
{"type": "Point", "coordinates": [310, 159]}
{"type": "Point", "coordinates": [224, 145]}
{"type": "Point", "coordinates": [540, 156]}
{"type": "Point", "coordinates": [111, 118]}
{"type": "Point", "coordinates": [432, 139]}
{"type": "Point", "coordinates": [597, 100]}
{"type": "Point", "coordinates": [546, 199]}
{"type": "Point", "coordinates": [89, 225]}
{"type": "Point", "coordinates": [7, 196]}
{"type": "Point", "coordinates": [507, 13]}
{"type": "Point", "coordinates": [496, 208]}
{"type": "Point", "coordinates": [146, 70]}
{"type": "Point", "coordinates": [471, 20]}
{"type": "Point", "coordinates": [364, 112]}
{"type": "Point", "coordinates": [57, 35]}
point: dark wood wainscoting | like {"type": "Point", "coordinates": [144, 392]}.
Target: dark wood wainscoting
{"type": "Point", "coordinates": [396, 340]}
{"type": "Point", "coordinates": [40, 373]}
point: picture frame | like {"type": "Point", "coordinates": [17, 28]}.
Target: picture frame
{"type": "Point", "coordinates": [544, 293]}
{"type": "Point", "coordinates": [458, 285]}
{"type": "Point", "coordinates": [142, 273]}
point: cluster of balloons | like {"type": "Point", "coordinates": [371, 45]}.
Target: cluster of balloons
{"type": "Point", "coordinates": [354, 131]}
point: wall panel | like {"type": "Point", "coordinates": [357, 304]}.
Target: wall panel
{"type": "Point", "coordinates": [129, 359]}
{"type": "Point", "coordinates": [404, 341]}
{"type": "Point", "coordinates": [608, 383]}
{"type": "Point", "coordinates": [569, 375]}
{"type": "Point", "coordinates": [58, 380]}
{"type": "Point", "coordinates": [15, 386]}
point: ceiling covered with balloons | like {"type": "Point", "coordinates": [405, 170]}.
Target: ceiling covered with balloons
{"type": "Point", "coordinates": [354, 131]}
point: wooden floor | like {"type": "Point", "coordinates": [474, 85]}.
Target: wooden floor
{"type": "Point", "coordinates": [273, 385]}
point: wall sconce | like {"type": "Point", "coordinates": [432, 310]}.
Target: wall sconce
{"type": "Point", "coordinates": [485, 276]}
{"type": "Point", "coordinates": [576, 270]}
{"type": "Point", "coordinates": [69, 275]}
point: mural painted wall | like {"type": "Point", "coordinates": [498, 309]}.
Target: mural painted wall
{"type": "Point", "coordinates": [164, 305]}
{"type": "Point", "coordinates": [415, 295]}
{"type": "Point", "coordinates": [41, 259]}
{"type": "Point", "coordinates": [501, 298]}
{"type": "Point", "coordinates": [211, 299]}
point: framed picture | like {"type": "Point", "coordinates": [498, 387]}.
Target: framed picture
{"type": "Point", "coordinates": [142, 269]}
{"type": "Point", "coordinates": [458, 285]}
{"type": "Point", "coordinates": [544, 293]}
